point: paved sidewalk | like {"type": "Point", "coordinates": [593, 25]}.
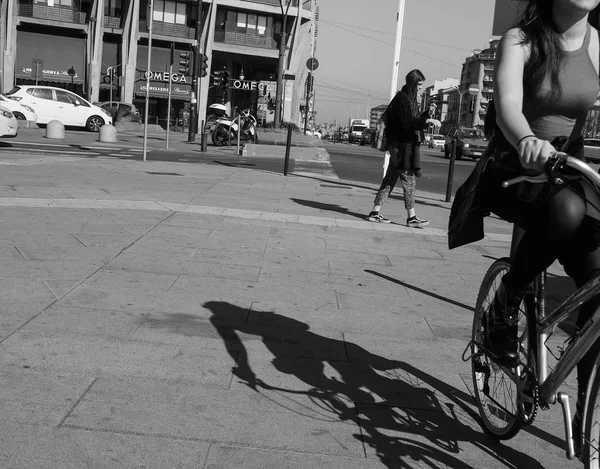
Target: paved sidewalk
{"type": "Point", "coordinates": [164, 315]}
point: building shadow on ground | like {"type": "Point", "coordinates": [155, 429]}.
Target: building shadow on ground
{"type": "Point", "coordinates": [405, 416]}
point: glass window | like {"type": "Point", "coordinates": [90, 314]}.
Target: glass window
{"type": "Point", "coordinates": [252, 22]}
{"type": "Point", "coordinates": [262, 25]}
{"type": "Point", "coordinates": [42, 93]}
{"type": "Point", "coordinates": [63, 97]}
{"type": "Point", "coordinates": [169, 15]}
{"type": "Point", "coordinates": [242, 19]}
{"type": "Point", "coordinates": [180, 13]}
{"type": "Point", "coordinates": [158, 14]}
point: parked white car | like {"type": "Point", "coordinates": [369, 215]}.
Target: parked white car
{"type": "Point", "coordinates": [9, 126]}
{"type": "Point", "coordinates": [20, 111]}
{"type": "Point", "coordinates": [437, 141]}
{"type": "Point", "coordinates": [50, 103]}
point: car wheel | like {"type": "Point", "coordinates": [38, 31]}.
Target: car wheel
{"type": "Point", "coordinates": [94, 123]}
{"type": "Point", "coordinates": [19, 116]}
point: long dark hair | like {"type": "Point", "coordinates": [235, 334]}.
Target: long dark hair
{"type": "Point", "coordinates": [540, 34]}
{"type": "Point", "coordinates": [412, 87]}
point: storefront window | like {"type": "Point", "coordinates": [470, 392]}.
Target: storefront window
{"type": "Point", "coordinates": [60, 3]}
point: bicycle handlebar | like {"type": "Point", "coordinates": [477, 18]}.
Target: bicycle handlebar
{"type": "Point", "coordinates": [553, 165]}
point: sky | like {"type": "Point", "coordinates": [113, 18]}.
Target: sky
{"type": "Point", "coordinates": [355, 48]}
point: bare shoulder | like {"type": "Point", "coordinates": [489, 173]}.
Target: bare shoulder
{"type": "Point", "coordinates": [514, 44]}
{"type": "Point", "coordinates": [594, 49]}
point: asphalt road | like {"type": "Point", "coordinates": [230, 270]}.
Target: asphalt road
{"type": "Point", "coordinates": [365, 164]}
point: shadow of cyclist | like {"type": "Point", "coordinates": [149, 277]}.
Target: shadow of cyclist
{"type": "Point", "coordinates": [383, 398]}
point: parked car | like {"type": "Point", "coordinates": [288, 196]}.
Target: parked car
{"type": "Point", "coordinates": [470, 142]}
{"type": "Point", "coordinates": [50, 103]}
{"type": "Point", "coordinates": [9, 126]}
{"type": "Point", "coordinates": [366, 137]}
{"type": "Point", "coordinates": [437, 141]}
{"type": "Point", "coordinates": [591, 149]}
{"type": "Point", "coordinates": [20, 111]}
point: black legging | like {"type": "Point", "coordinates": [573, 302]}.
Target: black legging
{"type": "Point", "coordinates": [566, 227]}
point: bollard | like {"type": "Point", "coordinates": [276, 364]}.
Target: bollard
{"type": "Point", "coordinates": [55, 129]}
{"type": "Point", "coordinates": [107, 133]}
{"type": "Point", "coordinates": [451, 172]}
{"type": "Point", "coordinates": [288, 144]}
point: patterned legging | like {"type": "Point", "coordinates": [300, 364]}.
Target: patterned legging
{"type": "Point", "coordinates": [409, 183]}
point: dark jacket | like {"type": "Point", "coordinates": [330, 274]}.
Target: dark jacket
{"type": "Point", "coordinates": [405, 131]}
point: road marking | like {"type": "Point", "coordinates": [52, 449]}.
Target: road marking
{"type": "Point", "coordinates": [43, 144]}
{"type": "Point", "coordinates": [41, 150]}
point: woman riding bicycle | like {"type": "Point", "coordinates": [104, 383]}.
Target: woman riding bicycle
{"type": "Point", "coordinates": [546, 79]}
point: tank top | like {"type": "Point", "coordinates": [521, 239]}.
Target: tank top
{"type": "Point", "coordinates": [579, 90]}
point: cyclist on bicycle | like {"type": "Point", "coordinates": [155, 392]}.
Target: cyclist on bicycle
{"type": "Point", "coordinates": [546, 80]}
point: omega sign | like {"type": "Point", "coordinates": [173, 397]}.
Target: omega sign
{"type": "Point", "coordinates": [252, 85]}
{"type": "Point", "coordinates": [164, 76]}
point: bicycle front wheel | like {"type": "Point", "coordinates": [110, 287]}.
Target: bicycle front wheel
{"type": "Point", "coordinates": [591, 430]}
{"type": "Point", "coordinates": [498, 390]}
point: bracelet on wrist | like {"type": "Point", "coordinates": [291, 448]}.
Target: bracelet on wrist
{"type": "Point", "coordinates": [523, 138]}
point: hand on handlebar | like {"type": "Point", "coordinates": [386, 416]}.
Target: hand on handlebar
{"type": "Point", "coordinates": [534, 153]}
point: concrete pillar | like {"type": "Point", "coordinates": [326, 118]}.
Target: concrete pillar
{"type": "Point", "coordinates": [129, 48]}
{"type": "Point", "coordinates": [8, 44]}
{"type": "Point", "coordinates": [94, 47]}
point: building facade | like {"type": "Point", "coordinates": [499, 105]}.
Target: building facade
{"type": "Point", "coordinates": [75, 44]}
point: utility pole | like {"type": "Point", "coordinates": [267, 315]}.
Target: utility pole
{"type": "Point", "coordinates": [396, 67]}
{"type": "Point", "coordinates": [282, 44]}
{"type": "Point", "coordinates": [149, 18]}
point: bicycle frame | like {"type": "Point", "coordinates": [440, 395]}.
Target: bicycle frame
{"type": "Point", "coordinates": [549, 382]}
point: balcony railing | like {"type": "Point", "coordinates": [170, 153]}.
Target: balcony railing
{"type": "Point", "coordinates": [245, 39]}
{"type": "Point", "coordinates": [112, 22]}
{"type": "Point", "coordinates": [54, 13]}
{"type": "Point", "coordinates": [168, 29]}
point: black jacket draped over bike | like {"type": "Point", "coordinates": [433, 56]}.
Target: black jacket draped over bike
{"type": "Point", "coordinates": [404, 130]}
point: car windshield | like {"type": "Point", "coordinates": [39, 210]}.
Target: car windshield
{"type": "Point", "coordinates": [471, 133]}
{"type": "Point", "coordinates": [359, 128]}
{"type": "Point", "coordinates": [13, 91]}
{"type": "Point", "coordinates": [438, 137]}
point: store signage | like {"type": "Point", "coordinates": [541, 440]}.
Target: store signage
{"type": "Point", "coordinates": [160, 90]}
{"type": "Point", "coordinates": [29, 71]}
{"type": "Point", "coordinates": [252, 85]}
{"type": "Point", "coordinates": [164, 76]}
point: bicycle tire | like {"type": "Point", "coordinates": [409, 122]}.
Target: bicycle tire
{"type": "Point", "coordinates": [491, 383]}
{"type": "Point", "coordinates": [591, 429]}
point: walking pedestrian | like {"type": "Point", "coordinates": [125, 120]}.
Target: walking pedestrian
{"type": "Point", "coordinates": [404, 133]}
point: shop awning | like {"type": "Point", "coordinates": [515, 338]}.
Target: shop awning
{"type": "Point", "coordinates": [50, 57]}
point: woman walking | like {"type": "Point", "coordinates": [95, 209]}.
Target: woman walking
{"type": "Point", "coordinates": [404, 133]}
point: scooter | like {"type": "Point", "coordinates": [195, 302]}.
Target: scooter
{"type": "Point", "coordinates": [226, 129]}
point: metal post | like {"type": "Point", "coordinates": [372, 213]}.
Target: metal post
{"type": "Point", "coordinates": [451, 172]}
{"type": "Point", "coordinates": [193, 101]}
{"type": "Point", "coordinates": [288, 144]}
{"type": "Point", "coordinates": [306, 101]}
{"type": "Point", "coordinates": [239, 131]}
{"type": "Point", "coordinates": [148, 73]}
{"type": "Point", "coordinates": [204, 137]}
{"type": "Point", "coordinates": [169, 100]}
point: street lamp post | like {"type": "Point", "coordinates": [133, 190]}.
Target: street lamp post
{"type": "Point", "coordinates": [71, 73]}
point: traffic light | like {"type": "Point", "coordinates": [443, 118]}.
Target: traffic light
{"type": "Point", "coordinates": [204, 66]}
{"type": "Point", "coordinates": [184, 63]}
{"type": "Point", "coordinates": [224, 79]}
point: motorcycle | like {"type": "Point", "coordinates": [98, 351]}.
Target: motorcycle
{"type": "Point", "coordinates": [226, 129]}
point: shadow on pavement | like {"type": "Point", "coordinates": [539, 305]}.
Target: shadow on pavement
{"type": "Point", "coordinates": [404, 414]}
{"type": "Point", "coordinates": [421, 290]}
{"type": "Point", "coordinates": [328, 207]}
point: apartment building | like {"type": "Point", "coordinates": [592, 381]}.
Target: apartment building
{"type": "Point", "coordinates": [75, 44]}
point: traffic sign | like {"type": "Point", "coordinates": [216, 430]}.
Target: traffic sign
{"type": "Point", "coordinates": [474, 89]}
{"type": "Point", "coordinates": [312, 64]}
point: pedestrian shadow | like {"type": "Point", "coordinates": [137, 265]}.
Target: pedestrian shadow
{"type": "Point", "coordinates": [328, 207]}
{"type": "Point", "coordinates": [421, 290]}
{"type": "Point", "coordinates": [402, 414]}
